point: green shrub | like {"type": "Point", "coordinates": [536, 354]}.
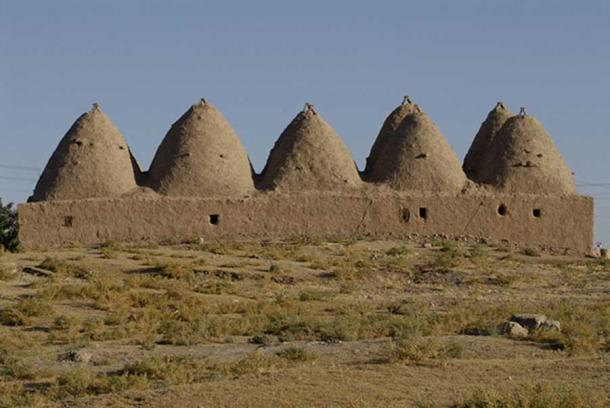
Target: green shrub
{"type": "Point", "coordinates": [8, 227]}
{"type": "Point", "coordinates": [295, 354]}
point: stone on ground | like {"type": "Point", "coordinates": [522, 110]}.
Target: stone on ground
{"type": "Point", "coordinates": [514, 330]}
{"type": "Point", "coordinates": [529, 320]}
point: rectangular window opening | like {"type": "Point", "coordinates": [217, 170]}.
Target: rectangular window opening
{"type": "Point", "coordinates": [537, 212]}
{"type": "Point", "coordinates": [405, 215]}
{"type": "Point", "coordinates": [214, 219]}
{"type": "Point", "coordinates": [68, 221]}
{"type": "Point", "coordinates": [423, 213]}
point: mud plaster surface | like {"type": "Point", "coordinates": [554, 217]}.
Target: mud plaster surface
{"type": "Point", "coordinates": [563, 222]}
{"type": "Point", "coordinates": [91, 160]}
{"type": "Point", "coordinates": [201, 155]}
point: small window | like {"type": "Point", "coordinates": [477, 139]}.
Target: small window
{"type": "Point", "coordinates": [502, 210]}
{"type": "Point", "coordinates": [423, 213]}
{"type": "Point", "coordinates": [214, 219]}
{"type": "Point", "coordinates": [68, 221]}
{"type": "Point", "coordinates": [405, 215]}
{"type": "Point", "coordinates": [537, 212]}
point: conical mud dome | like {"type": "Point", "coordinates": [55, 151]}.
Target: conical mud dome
{"type": "Point", "coordinates": [475, 160]}
{"type": "Point", "coordinates": [419, 158]}
{"type": "Point", "coordinates": [524, 159]}
{"type": "Point", "coordinates": [387, 132]}
{"type": "Point", "coordinates": [92, 160]}
{"type": "Point", "coordinates": [309, 155]}
{"type": "Point", "coordinates": [201, 156]}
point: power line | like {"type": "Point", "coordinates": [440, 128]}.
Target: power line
{"type": "Point", "coordinates": [17, 178]}
{"type": "Point", "coordinates": [17, 167]}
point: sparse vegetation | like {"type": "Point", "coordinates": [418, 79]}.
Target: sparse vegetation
{"type": "Point", "coordinates": [295, 354]}
{"type": "Point", "coordinates": [542, 395]}
{"type": "Point", "coordinates": [286, 309]}
{"type": "Point", "coordinates": [417, 349]}
{"type": "Point", "coordinates": [531, 252]}
{"type": "Point", "coordinates": [6, 274]}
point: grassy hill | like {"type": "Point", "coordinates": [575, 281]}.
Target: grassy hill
{"type": "Point", "coordinates": [301, 323]}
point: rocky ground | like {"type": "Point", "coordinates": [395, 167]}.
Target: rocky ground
{"type": "Point", "coordinates": [302, 323]}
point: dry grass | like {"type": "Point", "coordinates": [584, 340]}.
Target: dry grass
{"type": "Point", "coordinates": [541, 395]}
{"type": "Point", "coordinates": [419, 349]}
{"type": "Point", "coordinates": [268, 309]}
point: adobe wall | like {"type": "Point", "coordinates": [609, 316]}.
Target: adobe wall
{"type": "Point", "coordinates": [564, 222]}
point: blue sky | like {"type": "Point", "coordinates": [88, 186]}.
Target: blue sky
{"type": "Point", "coordinates": [145, 62]}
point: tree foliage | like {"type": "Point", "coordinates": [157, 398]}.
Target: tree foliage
{"type": "Point", "coordinates": [8, 227]}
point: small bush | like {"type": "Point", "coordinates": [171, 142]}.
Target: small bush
{"type": "Point", "coordinates": [6, 274]}
{"type": "Point", "coordinates": [448, 246]}
{"type": "Point", "coordinates": [262, 340]}
{"type": "Point", "coordinates": [12, 317]}
{"type": "Point", "coordinates": [255, 362]}
{"type": "Point", "coordinates": [275, 268]}
{"type": "Point", "coordinates": [530, 252]}
{"type": "Point", "coordinates": [62, 322]}
{"type": "Point", "coordinates": [216, 287]}
{"type": "Point", "coordinates": [172, 270]}
{"type": "Point", "coordinates": [449, 255]}
{"type": "Point", "coordinates": [537, 396]}
{"type": "Point", "coordinates": [34, 307]}
{"type": "Point", "coordinates": [9, 230]}
{"type": "Point", "coordinates": [54, 265]}
{"type": "Point", "coordinates": [295, 354]}
{"type": "Point", "coordinates": [397, 251]}
{"type": "Point", "coordinates": [417, 349]}
{"type": "Point", "coordinates": [76, 382]}
{"type": "Point", "coordinates": [309, 295]}
{"type": "Point", "coordinates": [412, 349]}
{"type": "Point", "coordinates": [15, 369]}
{"type": "Point", "coordinates": [166, 370]}
{"type": "Point", "coordinates": [15, 395]}
{"type": "Point", "coordinates": [109, 384]}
